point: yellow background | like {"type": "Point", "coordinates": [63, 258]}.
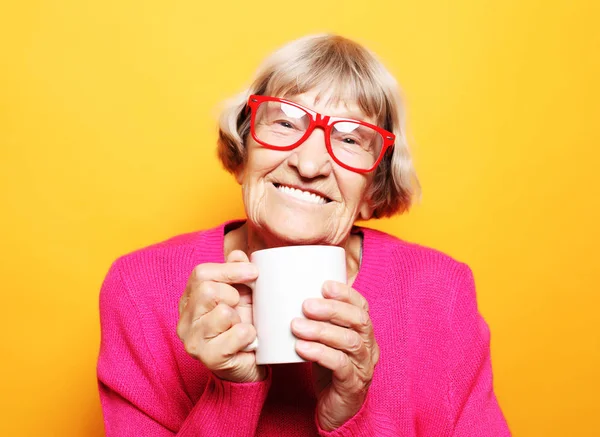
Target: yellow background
{"type": "Point", "coordinates": [107, 144]}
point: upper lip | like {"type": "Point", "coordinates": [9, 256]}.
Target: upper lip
{"type": "Point", "coordinates": [304, 188]}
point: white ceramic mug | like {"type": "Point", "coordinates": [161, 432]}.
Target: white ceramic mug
{"type": "Point", "coordinates": [287, 276]}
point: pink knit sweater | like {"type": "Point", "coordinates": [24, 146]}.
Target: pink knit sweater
{"type": "Point", "coordinates": [434, 377]}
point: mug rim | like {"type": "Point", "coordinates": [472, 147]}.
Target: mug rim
{"type": "Point", "coordinates": [298, 247]}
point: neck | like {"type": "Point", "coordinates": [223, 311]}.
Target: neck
{"type": "Point", "coordinates": [249, 239]}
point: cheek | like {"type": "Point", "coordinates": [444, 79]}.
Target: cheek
{"type": "Point", "coordinates": [354, 188]}
{"type": "Point", "coordinates": [261, 161]}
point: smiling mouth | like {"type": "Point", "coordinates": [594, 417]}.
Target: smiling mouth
{"type": "Point", "coordinates": [306, 196]}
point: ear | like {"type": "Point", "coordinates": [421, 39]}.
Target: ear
{"type": "Point", "coordinates": [365, 211]}
{"type": "Point", "coordinates": [239, 174]}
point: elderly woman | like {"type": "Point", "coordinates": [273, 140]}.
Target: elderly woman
{"type": "Point", "coordinates": [317, 142]}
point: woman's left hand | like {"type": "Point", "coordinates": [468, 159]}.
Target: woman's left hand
{"type": "Point", "coordinates": [338, 338]}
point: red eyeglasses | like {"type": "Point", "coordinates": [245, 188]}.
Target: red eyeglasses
{"type": "Point", "coordinates": [283, 125]}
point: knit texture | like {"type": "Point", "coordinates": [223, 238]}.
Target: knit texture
{"type": "Point", "coordinates": [434, 376]}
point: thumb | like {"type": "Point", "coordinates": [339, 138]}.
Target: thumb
{"type": "Point", "coordinates": [236, 256]}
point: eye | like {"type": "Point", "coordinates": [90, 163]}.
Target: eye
{"type": "Point", "coordinates": [349, 141]}
{"type": "Point", "coordinates": [286, 124]}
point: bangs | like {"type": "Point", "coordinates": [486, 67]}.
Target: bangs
{"type": "Point", "coordinates": [339, 74]}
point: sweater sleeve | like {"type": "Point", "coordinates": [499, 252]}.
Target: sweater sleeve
{"type": "Point", "coordinates": [367, 422]}
{"type": "Point", "coordinates": [474, 409]}
{"type": "Point", "coordinates": [138, 401]}
{"type": "Point", "coordinates": [473, 404]}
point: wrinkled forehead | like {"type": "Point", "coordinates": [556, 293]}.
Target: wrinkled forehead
{"type": "Point", "coordinates": [327, 103]}
{"type": "Point", "coordinates": [333, 98]}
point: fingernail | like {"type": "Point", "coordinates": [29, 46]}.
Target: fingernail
{"type": "Point", "coordinates": [311, 304]}
{"type": "Point", "coordinates": [303, 346]}
{"type": "Point", "coordinates": [330, 288]}
{"type": "Point", "coordinates": [301, 325]}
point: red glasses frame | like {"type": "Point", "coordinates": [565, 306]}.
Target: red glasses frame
{"type": "Point", "coordinates": [326, 123]}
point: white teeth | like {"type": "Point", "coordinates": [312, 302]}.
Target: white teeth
{"type": "Point", "coordinates": [302, 195]}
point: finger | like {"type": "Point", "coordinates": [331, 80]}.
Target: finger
{"type": "Point", "coordinates": [338, 313]}
{"type": "Point", "coordinates": [234, 339]}
{"type": "Point", "coordinates": [207, 291]}
{"type": "Point", "coordinates": [335, 360]}
{"type": "Point", "coordinates": [189, 320]}
{"type": "Point", "coordinates": [229, 273]}
{"type": "Point", "coordinates": [244, 306]}
{"type": "Point", "coordinates": [245, 303]}
{"type": "Point", "coordinates": [183, 301]}
{"type": "Point", "coordinates": [336, 337]}
{"type": "Point", "coordinates": [344, 293]}
{"type": "Point", "coordinates": [237, 256]}
{"type": "Point", "coordinates": [205, 296]}
{"type": "Point", "coordinates": [217, 321]}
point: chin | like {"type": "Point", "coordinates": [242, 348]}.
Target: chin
{"type": "Point", "coordinates": [295, 231]}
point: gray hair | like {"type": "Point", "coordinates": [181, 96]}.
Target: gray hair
{"type": "Point", "coordinates": [345, 71]}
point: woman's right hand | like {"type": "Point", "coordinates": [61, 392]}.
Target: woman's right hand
{"type": "Point", "coordinates": [215, 318]}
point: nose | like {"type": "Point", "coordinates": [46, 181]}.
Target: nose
{"type": "Point", "coordinates": [311, 158]}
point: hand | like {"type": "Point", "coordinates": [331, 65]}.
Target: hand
{"type": "Point", "coordinates": [215, 318]}
{"type": "Point", "coordinates": [338, 338]}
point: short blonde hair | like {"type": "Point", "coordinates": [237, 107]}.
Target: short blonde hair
{"type": "Point", "coordinates": [345, 71]}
